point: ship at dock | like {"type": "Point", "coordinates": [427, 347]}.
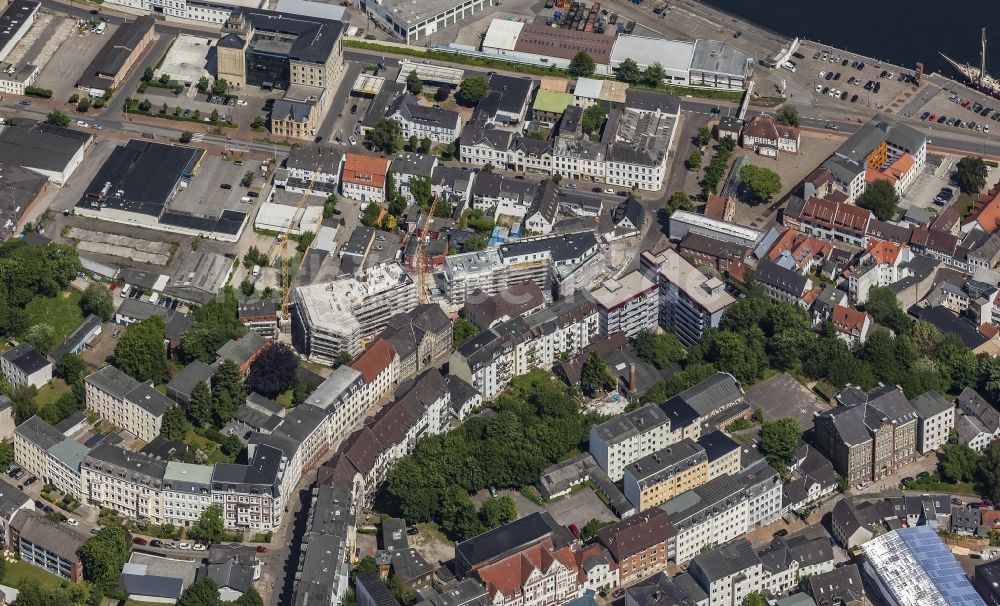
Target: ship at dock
{"type": "Point", "coordinates": [977, 76]}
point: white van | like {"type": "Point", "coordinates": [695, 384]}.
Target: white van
{"type": "Point", "coordinates": [256, 270]}
{"type": "Point", "coordinates": [789, 65]}
{"type": "Point", "coordinates": [99, 28]}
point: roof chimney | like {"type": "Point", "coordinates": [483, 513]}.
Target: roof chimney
{"type": "Point", "coordinates": [631, 378]}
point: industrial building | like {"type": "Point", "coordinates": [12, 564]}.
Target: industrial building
{"type": "Point", "coordinates": [137, 182]}
{"type": "Point", "coordinates": [15, 23]}
{"type": "Point", "coordinates": [415, 21]}
{"type": "Point", "coordinates": [51, 151]}
{"type": "Point", "coordinates": [122, 50]}
{"type": "Point", "coordinates": [541, 45]}
{"type": "Point", "coordinates": [301, 55]}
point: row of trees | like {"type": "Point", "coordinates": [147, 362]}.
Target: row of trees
{"type": "Point", "coordinates": [537, 423]}
{"type": "Point", "coordinates": [959, 463]}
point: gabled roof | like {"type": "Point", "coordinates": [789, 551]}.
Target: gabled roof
{"type": "Point", "coordinates": [26, 358]}
{"type": "Point", "coordinates": [365, 170]}
{"type": "Point", "coordinates": [637, 533]}
{"type": "Point", "coordinates": [780, 278]}
{"type": "Point", "coordinates": [374, 360]}
{"type": "Point", "coordinates": [849, 321]}
{"type": "Point", "coordinates": [832, 215]}
{"type": "Point", "coordinates": [767, 128]}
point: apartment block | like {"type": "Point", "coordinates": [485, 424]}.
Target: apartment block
{"type": "Point", "coordinates": [935, 420]}
{"type": "Point", "coordinates": [126, 403]}
{"type": "Point", "coordinates": [629, 304]}
{"type": "Point", "coordinates": [640, 544]}
{"type": "Point", "coordinates": [629, 437]}
{"type": "Point", "coordinates": [665, 474]}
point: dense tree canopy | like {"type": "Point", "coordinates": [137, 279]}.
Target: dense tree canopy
{"type": "Point", "coordinates": [881, 198]}
{"type": "Point", "coordinates": [758, 184]}
{"type": "Point", "coordinates": [885, 310]}
{"type": "Point", "coordinates": [199, 410]}
{"type": "Point", "coordinates": [659, 349]}
{"type": "Point", "coordinates": [629, 71]}
{"type": "Point", "coordinates": [27, 272]}
{"type": "Point", "coordinates": [386, 135]}
{"type": "Point", "coordinates": [778, 440]}
{"type": "Point", "coordinates": [789, 114]}
{"type": "Point", "coordinates": [679, 201]}
{"type": "Point", "coordinates": [595, 376]}
{"type": "Point", "coordinates": [174, 425]}
{"type": "Point", "coordinates": [273, 372]}
{"type": "Point", "coordinates": [103, 556]}
{"type": "Point", "coordinates": [472, 90]}
{"type": "Point", "coordinates": [228, 392]}
{"type": "Point", "coordinates": [97, 300]}
{"type": "Point", "coordinates": [582, 65]}
{"type": "Point", "coordinates": [216, 322]}
{"type": "Point", "coordinates": [593, 118]}
{"type": "Point", "coordinates": [209, 528]}
{"type": "Point", "coordinates": [141, 353]}
{"type": "Point", "coordinates": [971, 173]}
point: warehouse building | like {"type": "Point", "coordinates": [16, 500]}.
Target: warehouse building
{"type": "Point", "coordinates": [538, 44]}
{"type": "Point", "coordinates": [414, 21]}
{"type": "Point", "coordinates": [108, 69]}
{"type": "Point", "coordinates": [15, 23]}
{"type": "Point", "coordinates": [51, 151]}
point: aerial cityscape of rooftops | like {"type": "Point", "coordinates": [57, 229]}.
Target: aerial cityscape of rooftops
{"type": "Point", "coordinates": [482, 303]}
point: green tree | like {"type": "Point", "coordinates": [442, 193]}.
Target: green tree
{"type": "Point", "coordinates": [6, 456]}
{"type": "Point", "coordinates": [472, 90]}
{"type": "Point", "coordinates": [214, 117]}
{"type": "Point", "coordinates": [741, 354]}
{"type": "Point", "coordinates": [679, 201]}
{"type": "Point", "coordinates": [145, 105]}
{"type": "Point", "coordinates": [83, 105]}
{"type": "Point", "coordinates": [704, 136]}
{"type": "Point", "coordinates": [147, 74]}
{"type": "Point", "coordinates": [40, 336]}
{"type": "Point", "coordinates": [228, 392]}
{"type": "Point", "coordinates": [971, 173]}
{"type": "Point", "coordinates": [595, 376]}
{"type": "Point", "coordinates": [497, 512]}
{"type": "Point", "coordinates": [305, 241]}
{"type": "Point", "coordinates": [329, 206]}
{"type": "Point", "coordinates": [413, 83]}
{"type": "Point", "coordinates": [653, 75]}
{"type": "Point", "coordinates": [57, 118]}
{"type": "Point", "coordinates": [629, 71]}
{"type": "Point", "coordinates": [589, 530]}
{"type": "Point", "coordinates": [755, 598]}
{"type": "Point", "coordinates": [199, 410]}
{"type": "Point", "coordinates": [70, 368]}
{"type": "Point", "coordinates": [659, 349]}
{"type": "Point", "coordinates": [989, 472]}
{"type": "Point", "coordinates": [425, 145]}
{"type": "Point", "coordinates": [103, 556]}
{"type": "Point", "coordinates": [231, 446]}
{"type": "Point", "coordinates": [201, 593]}
{"type": "Point", "coordinates": [174, 425]}
{"type": "Point", "coordinates": [582, 65]}
{"type": "Point", "coordinates": [593, 118]}
{"type": "Point", "coordinates": [209, 527]}
{"type": "Point", "coordinates": [220, 86]}
{"type": "Point", "coordinates": [141, 353]}
{"type": "Point", "coordinates": [370, 215]}
{"type": "Point", "coordinates": [258, 122]}
{"type": "Point", "coordinates": [925, 337]}
{"type": "Point", "coordinates": [958, 462]}
{"type": "Point", "coordinates": [341, 359]}
{"type": "Point", "coordinates": [694, 160]}
{"type": "Point", "coordinates": [202, 85]}
{"type": "Point", "coordinates": [412, 144]}
{"type": "Point", "coordinates": [420, 189]}
{"type": "Point", "coordinates": [778, 440]}
{"type": "Point", "coordinates": [186, 137]}
{"type": "Point", "coordinates": [385, 137]}
{"type": "Point", "coordinates": [884, 308]}
{"type": "Point", "coordinates": [475, 242]}
{"type": "Point", "coordinates": [448, 151]}
{"type": "Point", "coordinates": [247, 287]}
{"type": "Point", "coordinates": [97, 300]}
{"type": "Point", "coordinates": [881, 198]}
{"type": "Point", "coordinates": [462, 330]}
{"type": "Point", "coordinates": [250, 598]}
{"type": "Point", "coordinates": [759, 183]}
{"type": "Point", "coordinates": [789, 115]}
{"type": "Point", "coordinates": [215, 323]}
{"type": "Point", "coordinates": [459, 519]}
{"type": "Point", "coordinates": [248, 178]}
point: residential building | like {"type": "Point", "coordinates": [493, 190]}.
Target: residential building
{"type": "Point", "coordinates": [369, 590]}
{"type": "Point", "coordinates": [665, 474]}
{"type": "Point", "coordinates": [12, 500]}
{"type": "Point", "coordinates": [186, 492]}
{"type": "Point", "coordinates": [722, 452]}
{"type": "Point", "coordinates": [724, 509]}
{"type": "Point", "coordinates": [128, 482]}
{"type": "Point", "coordinates": [912, 566]}
{"type": "Point", "coordinates": [323, 571]}
{"type": "Point", "coordinates": [126, 403]}
{"type": "Point", "coordinates": [639, 544]}
{"type": "Point", "coordinates": [839, 586]}
{"type": "Point", "coordinates": [987, 582]}
{"type": "Point", "coordinates": [979, 423]}
{"type": "Point", "coordinates": [879, 266]}
{"type": "Point", "coordinates": [689, 301]}
{"type": "Point", "coordinates": [828, 219]}
{"type": "Point", "coordinates": [789, 559]}
{"type": "Point", "coordinates": [337, 316]}
{"type": "Point", "coordinates": [43, 543]}
{"type": "Point", "coordinates": [410, 165]}
{"type": "Point", "coordinates": [852, 325]}
{"type": "Point", "coordinates": [629, 304]}
{"type": "Point", "coordinates": [420, 337]}
{"type": "Point", "coordinates": [725, 257]}
{"type": "Point", "coordinates": [935, 420]}
{"type": "Point", "coordinates": [312, 169]}
{"type": "Point", "coordinates": [32, 441]}
{"type": "Point", "coordinates": [22, 365]}
{"type": "Point", "coordinates": [379, 368]}
{"type": "Point", "coordinates": [250, 495]}
{"type": "Point", "coordinates": [440, 125]}
{"type": "Point", "coordinates": [515, 301]}
{"type": "Point", "coordinates": [64, 461]}
{"type": "Point", "coordinates": [538, 527]}
{"type": "Point", "coordinates": [259, 316]}
{"type": "Point", "coordinates": [364, 177]}
{"type": "Point", "coordinates": [243, 351]}
{"type": "Point", "coordinates": [768, 137]}
{"type": "Point", "coordinates": [626, 438]}
{"type": "Point", "coordinates": [728, 573]}
{"type": "Point", "coordinates": [868, 436]}
{"type": "Point", "coordinates": [881, 149]}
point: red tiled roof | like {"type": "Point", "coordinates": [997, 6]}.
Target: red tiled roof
{"type": "Point", "coordinates": [801, 247]}
{"type": "Point", "coordinates": [365, 170]}
{"type": "Point", "coordinates": [885, 252]}
{"type": "Point", "coordinates": [374, 360]}
{"type": "Point", "coordinates": [716, 207]}
{"type": "Point", "coordinates": [508, 575]}
{"type": "Point", "coordinates": [830, 214]}
{"type": "Point", "coordinates": [892, 173]}
{"type": "Point", "coordinates": [848, 320]}
{"type": "Point", "coordinates": [987, 210]}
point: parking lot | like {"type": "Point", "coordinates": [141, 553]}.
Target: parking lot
{"type": "Point", "coordinates": [70, 50]}
{"type": "Point", "coordinates": [929, 183]}
{"type": "Point", "coordinates": [959, 110]}
{"type": "Point", "coordinates": [216, 187]}
{"type": "Point", "coordinates": [188, 59]}
{"type": "Point", "coordinates": [578, 507]}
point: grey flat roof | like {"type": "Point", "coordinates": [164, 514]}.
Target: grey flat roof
{"type": "Point", "coordinates": [112, 381]}
{"type": "Point", "coordinates": [39, 433]}
{"type": "Point", "coordinates": [69, 453]}
{"type": "Point", "coordinates": [151, 585]}
{"type": "Point", "coordinates": [11, 499]}
{"type": "Point", "coordinates": [716, 57]}
{"type": "Point", "coordinates": [40, 146]}
{"type": "Point", "coordinates": [315, 38]}
{"type": "Point", "coordinates": [26, 358]}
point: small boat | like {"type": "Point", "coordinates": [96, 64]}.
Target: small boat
{"type": "Point", "coordinates": [977, 76]}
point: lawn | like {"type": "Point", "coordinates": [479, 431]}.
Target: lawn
{"type": "Point", "coordinates": [285, 399]}
{"type": "Point", "coordinates": [933, 483]}
{"type": "Point", "coordinates": [62, 313]}
{"type": "Point", "coordinates": [51, 392]}
{"type": "Point", "coordinates": [19, 572]}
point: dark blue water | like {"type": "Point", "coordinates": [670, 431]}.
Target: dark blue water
{"type": "Point", "coordinates": [900, 31]}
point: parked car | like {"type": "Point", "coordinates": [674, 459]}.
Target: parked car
{"type": "Point", "coordinates": [72, 522]}
{"type": "Point", "coordinates": [226, 186]}
{"type": "Point", "coordinates": [923, 474]}
{"type": "Point", "coordinates": [781, 533]}
{"type": "Point", "coordinates": [261, 549]}
{"type": "Point", "coordinates": [140, 541]}
{"type": "Point", "coordinates": [156, 543]}
{"type": "Point", "coordinates": [184, 546]}
{"type": "Point", "coordinates": [576, 531]}
{"type": "Point", "coordinates": [199, 547]}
